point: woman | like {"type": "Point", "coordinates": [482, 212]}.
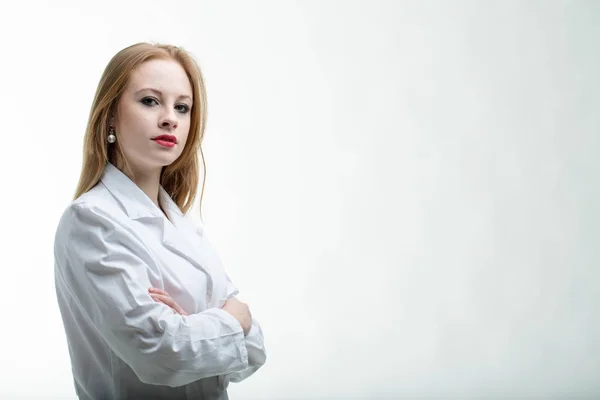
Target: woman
{"type": "Point", "coordinates": [147, 308]}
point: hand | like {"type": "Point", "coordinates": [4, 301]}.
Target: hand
{"type": "Point", "coordinates": [240, 311]}
{"type": "Point", "coordinates": [163, 297]}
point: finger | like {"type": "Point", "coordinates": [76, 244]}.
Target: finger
{"type": "Point", "coordinates": [164, 299]}
{"type": "Point", "coordinates": [157, 290]}
{"type": "Point", "coordinates": [169, 302]}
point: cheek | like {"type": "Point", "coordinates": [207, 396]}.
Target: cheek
{"type": "Point", "coordinates": [185, 130]}
{"type": "Point", "coordinates": [136, 124]}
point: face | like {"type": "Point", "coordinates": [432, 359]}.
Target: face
{"type": "Point", "coordinates": [153, 117]}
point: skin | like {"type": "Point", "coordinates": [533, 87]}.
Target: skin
{"type": "Point", "coordinates": [157, 100]}
{"type": "Point", "coordinates": [233, 306]}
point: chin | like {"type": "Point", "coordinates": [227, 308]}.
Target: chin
{"type": "Point", "coordinates": [165, 161]}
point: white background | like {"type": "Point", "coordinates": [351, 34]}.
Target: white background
{"type": "Point", "coordinates": [405, 192]}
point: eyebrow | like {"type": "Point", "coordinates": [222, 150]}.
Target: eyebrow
{"type": "Point", "coordinates": [183, 96]}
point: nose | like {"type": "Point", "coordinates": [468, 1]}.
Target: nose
{"type": "Point", "coordinates": [168, 120]}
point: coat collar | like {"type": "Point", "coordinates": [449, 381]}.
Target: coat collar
{"type": "Point", "coordinates": [179, 235]}
{"type": "Point", "coordinates": [133, 199]}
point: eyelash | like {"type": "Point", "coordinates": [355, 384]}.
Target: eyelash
{"type": "Point", "coordinates": [185, 110]}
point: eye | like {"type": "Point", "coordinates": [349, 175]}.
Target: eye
{"type": "Point", "coordinates": [147, 101]}
{"type": "Point", "coordinates": [182, 108]}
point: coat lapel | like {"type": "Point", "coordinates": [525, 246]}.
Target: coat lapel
{"type": "Point", "coordinates": [178, 233]}
{"type": "Point", "coordinates": [180, 237]}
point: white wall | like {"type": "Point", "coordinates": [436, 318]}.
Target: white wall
{"type": "Point", "coordinates": [406, 193]}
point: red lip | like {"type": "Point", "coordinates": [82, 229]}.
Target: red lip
{"type": "Point", "coordinates": [167, 138]}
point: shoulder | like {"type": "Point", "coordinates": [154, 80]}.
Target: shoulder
{"type": "Point", "coordinates": [98, 198]}
{"type": "Point", "coordinates": [94, 209]}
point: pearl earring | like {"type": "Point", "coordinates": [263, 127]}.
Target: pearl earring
{"type": "Point", "coordinates": [111, 135]}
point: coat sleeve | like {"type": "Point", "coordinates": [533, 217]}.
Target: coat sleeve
{"type": "Point", "coordinates": [106, 269]}
{"type": "Point", "coordinates": [254, 341]}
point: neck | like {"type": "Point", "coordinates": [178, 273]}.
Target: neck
{"type": "Point", "coordinates": [148, 181]}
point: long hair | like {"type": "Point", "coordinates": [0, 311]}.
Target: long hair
{"type": "Point", "coordinates": [180, 179]}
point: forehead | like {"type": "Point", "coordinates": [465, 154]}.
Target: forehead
{"type": "Point", "coordinates": [168, 76]}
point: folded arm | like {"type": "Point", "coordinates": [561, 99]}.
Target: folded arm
{"type": "Point", "coordinates": [254, 341]}
{"type": "Point", "coordinates": [107, 274]}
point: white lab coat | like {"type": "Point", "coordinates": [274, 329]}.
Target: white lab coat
{"type": "Point", "coordinates": [111, 245]}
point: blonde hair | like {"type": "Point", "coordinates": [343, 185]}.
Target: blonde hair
{"type": "Point", "coordinates": [180, 179]}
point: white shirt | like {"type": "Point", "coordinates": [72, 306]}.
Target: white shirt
{"type": "Point", "coordinates": [111, 245]}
